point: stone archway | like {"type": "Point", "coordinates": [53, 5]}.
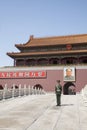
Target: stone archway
{"type": "Point", "coordinates": [16, 87]}
{"type": "Point", "coordinates": [69, 88]}
{"type": "Point", "coordinates": [38, 86]}
{"type": "Point", "coordinates": [1, 87]}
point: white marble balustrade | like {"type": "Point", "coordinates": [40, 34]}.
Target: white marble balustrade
{"type": "Point", "coordinates": [13, 92]}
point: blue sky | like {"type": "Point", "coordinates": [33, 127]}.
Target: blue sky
{"type": "Point", "coordinates": [42, 18]}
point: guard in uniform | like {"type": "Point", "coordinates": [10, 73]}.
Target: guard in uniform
{"type": "Point", "coordinates": [58, 91]}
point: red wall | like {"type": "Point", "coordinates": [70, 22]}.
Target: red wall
{"type": "Point", "coordinates": [49, 82]}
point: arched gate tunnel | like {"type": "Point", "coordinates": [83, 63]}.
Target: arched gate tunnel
{"type": "Point", "coordinates": [69, 88]}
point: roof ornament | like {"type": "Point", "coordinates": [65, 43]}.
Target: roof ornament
{"type": "Point", "coordinates": [31, 37]}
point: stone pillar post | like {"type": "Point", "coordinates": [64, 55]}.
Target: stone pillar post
{"type": "Point", "coordinates": [13, 91]}
{"type": "Point", "coordinates": [19, 90]}
{"type": "Point", "coordinates": [24, 89]}
{"type": "Point", "coordinates": [4, 92]}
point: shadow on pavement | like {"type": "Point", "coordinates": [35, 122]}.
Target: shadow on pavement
{"type": "Point", "coordinates": [67, 104]}
{"type": "Point", "coordinates": [55, 107]}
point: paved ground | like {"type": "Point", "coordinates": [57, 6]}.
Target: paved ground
{"type": "Point", "coordinates": [39, 112]}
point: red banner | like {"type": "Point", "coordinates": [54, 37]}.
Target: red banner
{"type": "Point", "coordinates": [23, 74]}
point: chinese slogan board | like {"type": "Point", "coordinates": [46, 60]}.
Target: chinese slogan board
{"type": "Point", "coordinates": [23, 74]}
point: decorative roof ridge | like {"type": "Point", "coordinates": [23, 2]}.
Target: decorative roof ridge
{"type": "Point", "coordinates": [51, 37]}
{"type": "Point", "coordinates": [61, 36]}
{"type": "Point", "coordinates": [22, 44]}
{"type": "Point", "coordinates": [64, 37]}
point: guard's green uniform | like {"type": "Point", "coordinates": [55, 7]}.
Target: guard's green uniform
{"type": "Point", "coordinates": [58, 90]}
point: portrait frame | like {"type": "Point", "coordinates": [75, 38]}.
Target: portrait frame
{"type": "Point", "coordinates": [71, 75]}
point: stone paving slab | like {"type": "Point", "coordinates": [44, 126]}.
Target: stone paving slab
{"type": "Point", "coordinates": [39, 112]}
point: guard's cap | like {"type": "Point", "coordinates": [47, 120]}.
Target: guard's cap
{"type": "Point", "coordinates": [58, 81]}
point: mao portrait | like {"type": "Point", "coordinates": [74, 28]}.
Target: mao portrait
{"type": "Point", "coordinates": [69, 74]}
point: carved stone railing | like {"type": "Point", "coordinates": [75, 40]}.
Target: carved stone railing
{"type": "Point", "coordinates": [84, 93]}
{"type": "Point", "coordinates": [13, 92]}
